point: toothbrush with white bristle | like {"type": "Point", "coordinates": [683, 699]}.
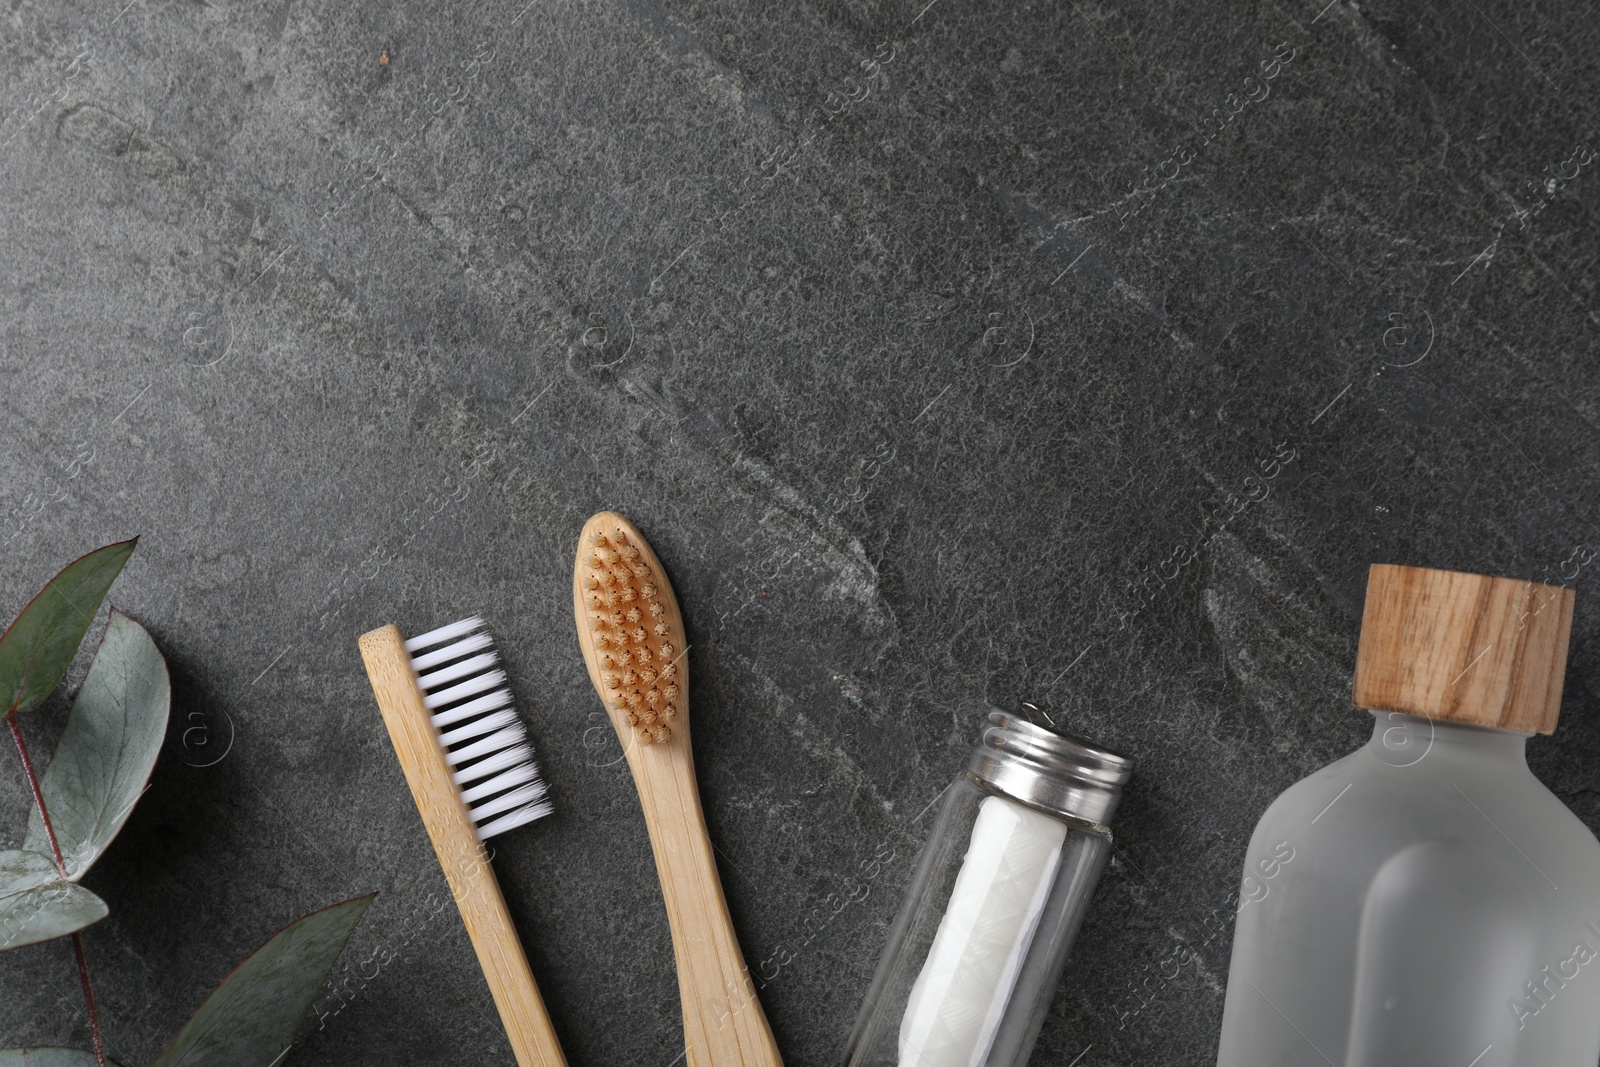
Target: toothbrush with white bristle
{"type": "Point", "coordinates": [470, 765]}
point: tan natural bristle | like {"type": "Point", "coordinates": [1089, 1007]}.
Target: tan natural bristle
{"type": "Point", "coordinates": [630, 622]}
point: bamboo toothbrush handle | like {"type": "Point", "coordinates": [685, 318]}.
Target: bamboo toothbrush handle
{"type": "Point", "coordinates": [461, 854]}
{"type": "Point", "coordinates": [723, 1024]}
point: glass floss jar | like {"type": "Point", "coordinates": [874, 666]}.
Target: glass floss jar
{"type": "Point", "coordinates": [994, 903]}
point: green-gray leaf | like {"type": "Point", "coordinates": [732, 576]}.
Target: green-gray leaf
{"type": "Point", "coordinates": [46, 1057]}
{"type": "Point", "coordinates": [108, 748]}
{"type": "Point", "coordinates": [251, 1019]}
{"type": "Point", "coordinates": [38, 648]}
{"type": "Point", "coordinates": [36, 905]}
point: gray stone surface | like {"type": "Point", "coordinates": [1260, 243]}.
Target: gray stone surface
{"type": "Point", "coordinates": [947, 352]}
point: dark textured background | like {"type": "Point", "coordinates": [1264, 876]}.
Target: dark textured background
{"type": "Point", "coordinates": [938, 353]}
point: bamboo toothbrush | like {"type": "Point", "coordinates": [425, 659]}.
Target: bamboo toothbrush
{"type": "Point", "coordinates": [632, 637]}
{"type": "Point", "coordinates": [460, 743]}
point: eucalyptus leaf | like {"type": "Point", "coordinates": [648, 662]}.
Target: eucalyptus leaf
{"type": "Point", "coordinates": [251, 1019]}
{"type": "Point", "coordinates": [36, 651]}
{"type": "Point", "coordinates": [108, 748]}
{"type": "Point", "coordinates": [36, 905]}
{"type": "Point", "coordinates": [46, 1057]}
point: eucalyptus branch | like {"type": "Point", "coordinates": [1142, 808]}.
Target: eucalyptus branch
{"type": "Point", "coordinates": [102, 765]}
{"type": "Point", "coordinates": [61, 868]}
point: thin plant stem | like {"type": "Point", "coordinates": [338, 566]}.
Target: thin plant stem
{"type": "Point", "coordinates": [88, 998]}
{"type": "Point", "coordinates": [33, 784]}
{"type": "Point", "coordinates": [61, 867]}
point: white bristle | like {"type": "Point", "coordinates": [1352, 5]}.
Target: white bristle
{"type": "Point", "coordinates": [461, 685]}
{"type": "Point", "coordinates": [526, 794]}
{"type": "Point", "coordinates": [445, 633]}
{"type": "Point", "coordinates": [515, 734]}
{"type": "Point", "coordinates": [515, 819]}
{"type": "Point", "coordinates": [462, 690]}
{"type": "Point", "coordinates": [465, 668]}
{"type": "Point", "coordinates": [478, 727]}
{"type": "Point", "coordinates": [489, 765]}
{"type": "Point", "coordinates": [521, 774]}
{"type": "Point", "coordinates": [429, 660]}
{"type": "Point", "coordinates": [500, 698]}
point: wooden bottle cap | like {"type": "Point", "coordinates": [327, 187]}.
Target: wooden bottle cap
{"type": "Point", "coordinates": [1463, 647]}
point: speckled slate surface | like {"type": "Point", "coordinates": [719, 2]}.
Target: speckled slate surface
{"type": "Point", "coordinates": [948, 352]}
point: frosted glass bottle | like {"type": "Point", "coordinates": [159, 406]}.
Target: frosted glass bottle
{"type": "Point", "coordinates": [1426, 901]}
{"type": "Point", "coordinates": [994, 903]}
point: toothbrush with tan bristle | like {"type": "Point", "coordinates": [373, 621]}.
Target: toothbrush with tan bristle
{"type": "Point", "coordinates": [634, 644]}
{"type": "Point", "coordinates": [471, 770]}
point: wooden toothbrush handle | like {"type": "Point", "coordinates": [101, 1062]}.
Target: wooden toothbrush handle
{"type": "Point", "coordinates": [505, 965]}
{"type": "Point", "coordinates": [461, 854]}
{"type": "Point", "coordinates": [723, 1024]}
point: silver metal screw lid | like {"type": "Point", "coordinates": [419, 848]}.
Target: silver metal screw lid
{"type": "Point", "coordinates": [1049, 770]}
